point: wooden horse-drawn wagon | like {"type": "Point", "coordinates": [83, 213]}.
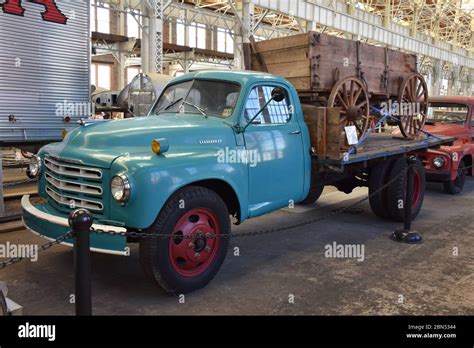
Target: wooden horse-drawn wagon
{"type": "Point", "coordinates": [334, 72]}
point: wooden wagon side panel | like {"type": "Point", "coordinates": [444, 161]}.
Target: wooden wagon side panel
{"type": "Point", "coordinates": [315, 62]}
{"type": "Point", "coordinates": [373, 69]}
{"type": "Point", "coordinates": [400, 66]}
{"type": "Point", "coordinates": [287, 57]}
{"type": "Point", "coordinates": [332, 59]}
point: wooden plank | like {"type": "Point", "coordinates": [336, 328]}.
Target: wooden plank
{"type": "Point", "coordinates": [284, 43]}
{"type": "Point", "coordinates": [109, 38]}
{"type": "Point", "coordinates": [372, 56]}
{"type": "Point", "coordinates": [333, 147]}
{"type": "Point", "coordinates": [315, 118]}
{"type": "Point", "coordinates": [401, 62]}
{"type": "Point", "coordinates": [341, 54]}
{"type": "Point", "coordinates": [385, 145]}
{"type": "Point", "coordinates": [373, 78]}
{"type": "Point", "coordinates": [329, 73]}
{"type": "Point", "coordinates": [301, 83]}
{"type": "Point", "coordinates": [11, 226]}
{"type": "Point", "coordinates": [285, 55]}
{"type": "Point", "coordinates": [212, 53]}
{"type": "Point", "coordinates": [309, 113]}
{"type": "Point", "coordinates": [255, 49]}
{"type": "Point", "coordinates": [19, 192]}
{"type": "Point", "coordinates": [292, 69]}
{"type": "Point", "coordinates": [321, 132]}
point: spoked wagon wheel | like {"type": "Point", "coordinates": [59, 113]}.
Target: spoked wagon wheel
{"type": "Point", "coordinates": [350, 94]}
{"type": "Point", "coordinates": [413, 104]}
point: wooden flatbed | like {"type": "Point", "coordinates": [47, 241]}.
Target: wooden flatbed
{"type": "Point", "coordinates": [387, 145]}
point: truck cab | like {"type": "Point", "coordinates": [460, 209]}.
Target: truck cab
{"type": "Point", "coordinates": [214, 144]}
{"type": "Point", "coordinates": [451, 116]}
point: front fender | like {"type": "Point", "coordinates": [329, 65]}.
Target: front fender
{"type": "Point", "coordinates": [457, 153]}
{"type": "Point", "coordinates": [154, 179]}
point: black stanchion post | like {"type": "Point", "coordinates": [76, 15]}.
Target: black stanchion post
{"type": "Point", "coordinates": [406, 235]}
{"type": "Point", "coordinates": [408, 194]}
{"type": "Point", "coordinates": [80, 220]}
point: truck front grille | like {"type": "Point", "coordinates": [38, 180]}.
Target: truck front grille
{"type": "Point", "coordinates": [72, 186]}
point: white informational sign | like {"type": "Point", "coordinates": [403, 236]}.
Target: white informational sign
{"type": "Point", "coordinates": [351, 135]}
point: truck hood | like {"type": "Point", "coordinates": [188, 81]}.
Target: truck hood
{"type": "Point", "coordinates": [440, 128]}
{"type": "Point", "coordinates": [99, 144]}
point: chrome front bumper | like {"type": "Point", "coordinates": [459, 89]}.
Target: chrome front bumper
{"type": "Point", "coordinates": [53, 220]}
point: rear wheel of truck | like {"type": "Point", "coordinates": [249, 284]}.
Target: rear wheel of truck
{"type": "Point", "coordinates": [316, 186]}
{"type": "Point", "coordinates": [455, 186]}
{"type": "Point", "coordinates": [190, 258]}
{"type": "Point", "coordinates": [378, 197]}
{"type": "Point", "coordinates": [313, 195]}
{"type": "Point", "coordinates": [396, 192]}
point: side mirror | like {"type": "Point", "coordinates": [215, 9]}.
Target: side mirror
{"type": "Point", "coordinates": [278, 94]}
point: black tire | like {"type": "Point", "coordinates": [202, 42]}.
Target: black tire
{"type": "Point", "coordinates": [316, 187]}
{"type": "Point", "coordinates": [455, 186]}
{"type": "Point", "coordinates": [379, 177]}
{"type": "Point", "coordinates": [313, 195]}
{"type": "Point", "coordinates": [396, 192]}
{"type": "Point", "coordinates": [156, 255]}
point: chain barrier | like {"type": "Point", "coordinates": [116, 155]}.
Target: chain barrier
{"type": "Point", "coordinates": [70, 234]}
{"type": "Point", "coordinates": [254, 233]}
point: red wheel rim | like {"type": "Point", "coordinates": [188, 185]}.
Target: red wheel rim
{"type": "Point", "coordinates": [191, 249]}
{"type": "Point", "coordinates": [416, 189]}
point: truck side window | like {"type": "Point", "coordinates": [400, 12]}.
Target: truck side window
{"type": "Point", "coordinates": [274, 113]}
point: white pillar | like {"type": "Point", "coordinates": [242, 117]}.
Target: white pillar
{"type": "Point", "coordinates": [470, 83]}
{"type": "Point", "coordinates": [158, 37]}
{"type": "Point", "coordinates": [245, 11]}
{"type": "Point", "coordinates": [453, 84]}
{"type": "Point", "coordinates": [437, 77]}
{"type": "Point", "coordinates": [152, 41]}
{"type": "Point", "coordinates": [121, 31]}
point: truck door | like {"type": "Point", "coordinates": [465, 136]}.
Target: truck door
{"type": "Point", "coordinates": [274, 142]}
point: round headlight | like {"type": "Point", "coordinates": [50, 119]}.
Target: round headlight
{"type": "Point", "coordinates": [120, 188]}
{"type": "Point", "coordinates": [439, 162]}
{"type": "Point", "coordinates": [34, 167]}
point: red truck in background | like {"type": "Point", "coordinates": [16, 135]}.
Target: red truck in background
{"type": "Point", "coordinates": [451, 116]}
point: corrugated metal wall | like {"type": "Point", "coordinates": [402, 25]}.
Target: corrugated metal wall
{"type": "Point", "coordinates": [43, 65]}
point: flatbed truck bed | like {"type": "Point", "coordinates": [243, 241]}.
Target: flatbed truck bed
{"type": "Point", "coordinates": [381, 146]}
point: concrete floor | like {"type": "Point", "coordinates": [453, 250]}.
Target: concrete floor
{"type": "Point", "coordinates": [271, 268]}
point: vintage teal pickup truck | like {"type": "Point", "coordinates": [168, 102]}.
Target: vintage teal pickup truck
{"type": "Point", "coordinates": [214, 145]}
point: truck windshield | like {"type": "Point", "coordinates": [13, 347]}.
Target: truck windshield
{"type": "Point", "coordinates": [447, 113]}
{"type": "Point", "coordinates": [214, 98]}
